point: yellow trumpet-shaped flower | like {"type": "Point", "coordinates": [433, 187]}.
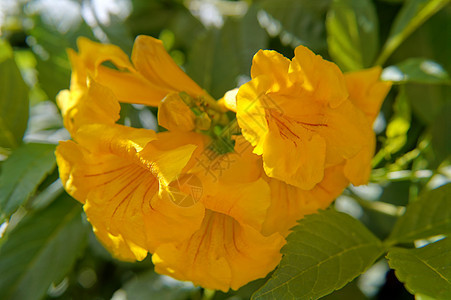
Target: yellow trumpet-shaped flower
{"type": "Point", "coordinates": [230, 246]}
{"type": "Point", "coordinates": [146, 79]}
{"type": "Point", "coordinates": [211, 206]}
{"type": "Point", "coordinates": [366, 91]}
{"type": "Point", "coordinates": [116, 171]}
{"type": "Point", "coordinates": [301, 117]}
{"type": "Point", "coordinates": [136, 185]}
{"type": "Point", "coordinates": [290, 203]}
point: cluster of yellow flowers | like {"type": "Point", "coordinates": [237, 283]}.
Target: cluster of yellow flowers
{"type": "Point", "coordinates": [211, 198]}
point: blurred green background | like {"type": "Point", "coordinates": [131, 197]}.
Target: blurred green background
{"type": "Point", "coordinates": [214, 42]}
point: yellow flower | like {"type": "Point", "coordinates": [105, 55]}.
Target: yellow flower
{"type": "Point", "coordinates": [216, 219]}
{"type": "Point", "coordinates": [115, 171]}
{"type": "Point", "coordinates": [131, 181]}
{"type": "Point", "coordinates": [230, 245]}
{"type": "Point", "coordinates": [149, 77]}
{"type": "Point", "coordinates": [78, 107]}
{"type": "Point", "coordinates": [146, 79]}
{"type": "Point", "coordinates": [299, 116]}
{"type": "Point", "coordinates": [290, 203]}
{"type": "Point", "coordinates": [366, 91]}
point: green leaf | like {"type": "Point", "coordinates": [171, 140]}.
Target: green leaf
{"type": "Point", "coordinates": [349, 291]}
{"type": "Point", "coordinates": [426, 270]}
{"type": "Point", "coordinates": [55, 30]}
{"type": "Point", "coordinates": [41, 249]}
{"type": "Point", "coordinates": [418, 70]}
{"type": "Point", "coordinates": [323, 253]}
{"type": "Point", "coordinates": [439, 133]}
{"type": "Point", "coordinates": [412, 15]}
{"type": "Point", "coordinates": [21, 174]}
{"type": "Point", "coordinates": [399, 124]}
{"type": "Point", "coordinates": [296, 22]}
{"type": "Point", "coordinates": [213, 63]}
{"type": "Point", "coordinates": [250, 38]}
{"type": "Point", "coordinates": [13, 100]}
{"type": "Point", "coordinates": [352, 33]}
{"type": "Point", "coordinates": [428, 216]}
{"type": "Point", "coordinates": [423, 297]}
{"type": "Point", "coordinates": [153, 286]}
{"type": "Point", "coordinates": [221, 55]}
{"type": "Point", "coordinates": [48, 195]}
{"type": "Point", "coordinates": [428, 100]}
{"type": "Point", "coordinates": [185, 26]}
{"type": "Point", "coordinates": [150, 17]}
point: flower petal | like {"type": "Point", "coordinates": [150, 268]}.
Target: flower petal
{"type": "Point", "coordinates": [273, 64]}
{"type": "Point", "coordinates": [93, 104]}
{"type": "Point", "coordinates": [121, 193]}
{"type": "Point", "coordinates": [131, 206]}
{"type": "Point", "coordinates": [251, 113]}
{"type": "Point", "coordinates": [358, 168]}
{"type": "Point", "coordinates": [167, 164]}
{"type": "Point", "coordinates": [298, 161]}
{"type": "Point", "coordinates": [220, 255]}
{"type": "Point", "coordinates": [229, 100]}
{"type": "Point", "coordinates": [346, 134]}
{"type": "Point", "coordinates": [175, 115]}
{"type": "Point", "coordinates": [130, 87]}
{"type": "Point", "coordinates": [94, 54]}
{"type": "Point", "coordinates": [245, 202]}
{"type": "Point", "coordinates": [290, 203]}
{"type": "Point", "coordinates": [156, 65]}
{"type": "Point", "coordinates": [321, 77]}
{"type": "Point", "coordinates": [117, 139]}
{"type": "Point", "coordinates": [366, 91]}
{"type": "Point", "coordinates": [173, 153]}
{"type": "Point", "coordinates": [125, 81]}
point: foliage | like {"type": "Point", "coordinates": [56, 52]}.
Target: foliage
{"type": "Point", "coordinates": [320, 243]}
{"type": "Point", "coordinates": [46, 247]}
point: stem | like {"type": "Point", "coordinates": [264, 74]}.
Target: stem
{"type": "Point", "coordinates": [208, 294]}
{"type": "Point", "coordinates": [380, 155]}
{"type": "Point", "coordinates": [402, 161]}
{"type": "Point", "coordinates": [381, 175]}
{"type": "Point", "coordinates": [381, 207]}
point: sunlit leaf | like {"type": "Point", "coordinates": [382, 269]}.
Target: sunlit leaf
{"type": "Point", "coordinates": [21, 174]}
{"type": "Point", "coordinates": [296, 22]}
{"type": "Point", "coordinates": [13, 100]}
{"type": "Point", "coordinates": [150, 285]}
{"type": "Point", "coordinates": [221, 55]}
{"type": "Point", "coordinates": [41, 249]}
{"type": "Point", "coordinates": [212, 62]}
{"type": "Point", "coordinates": [185, 26]}
{"type": "Point", "coordinates": [108, 17]}
{"type": "Point", "coordinates": [426, 270]}
{"type": "Point", "coordinates": [57, 27]}
{"type": "Point", "coordinates": [416, 70]}
{"type": "Point", "coordinates": [352, 33]}
{"type": "Point", "coordinates": [250, 38]}
{"type": "Point", "coordinates": [324, 252]}
{"type": "Point", "coordinates": [399, 124]}
{"type": "Point", "coordinates": [428, 216]}
{"type": "Point", "coordinates": [412, 15]}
